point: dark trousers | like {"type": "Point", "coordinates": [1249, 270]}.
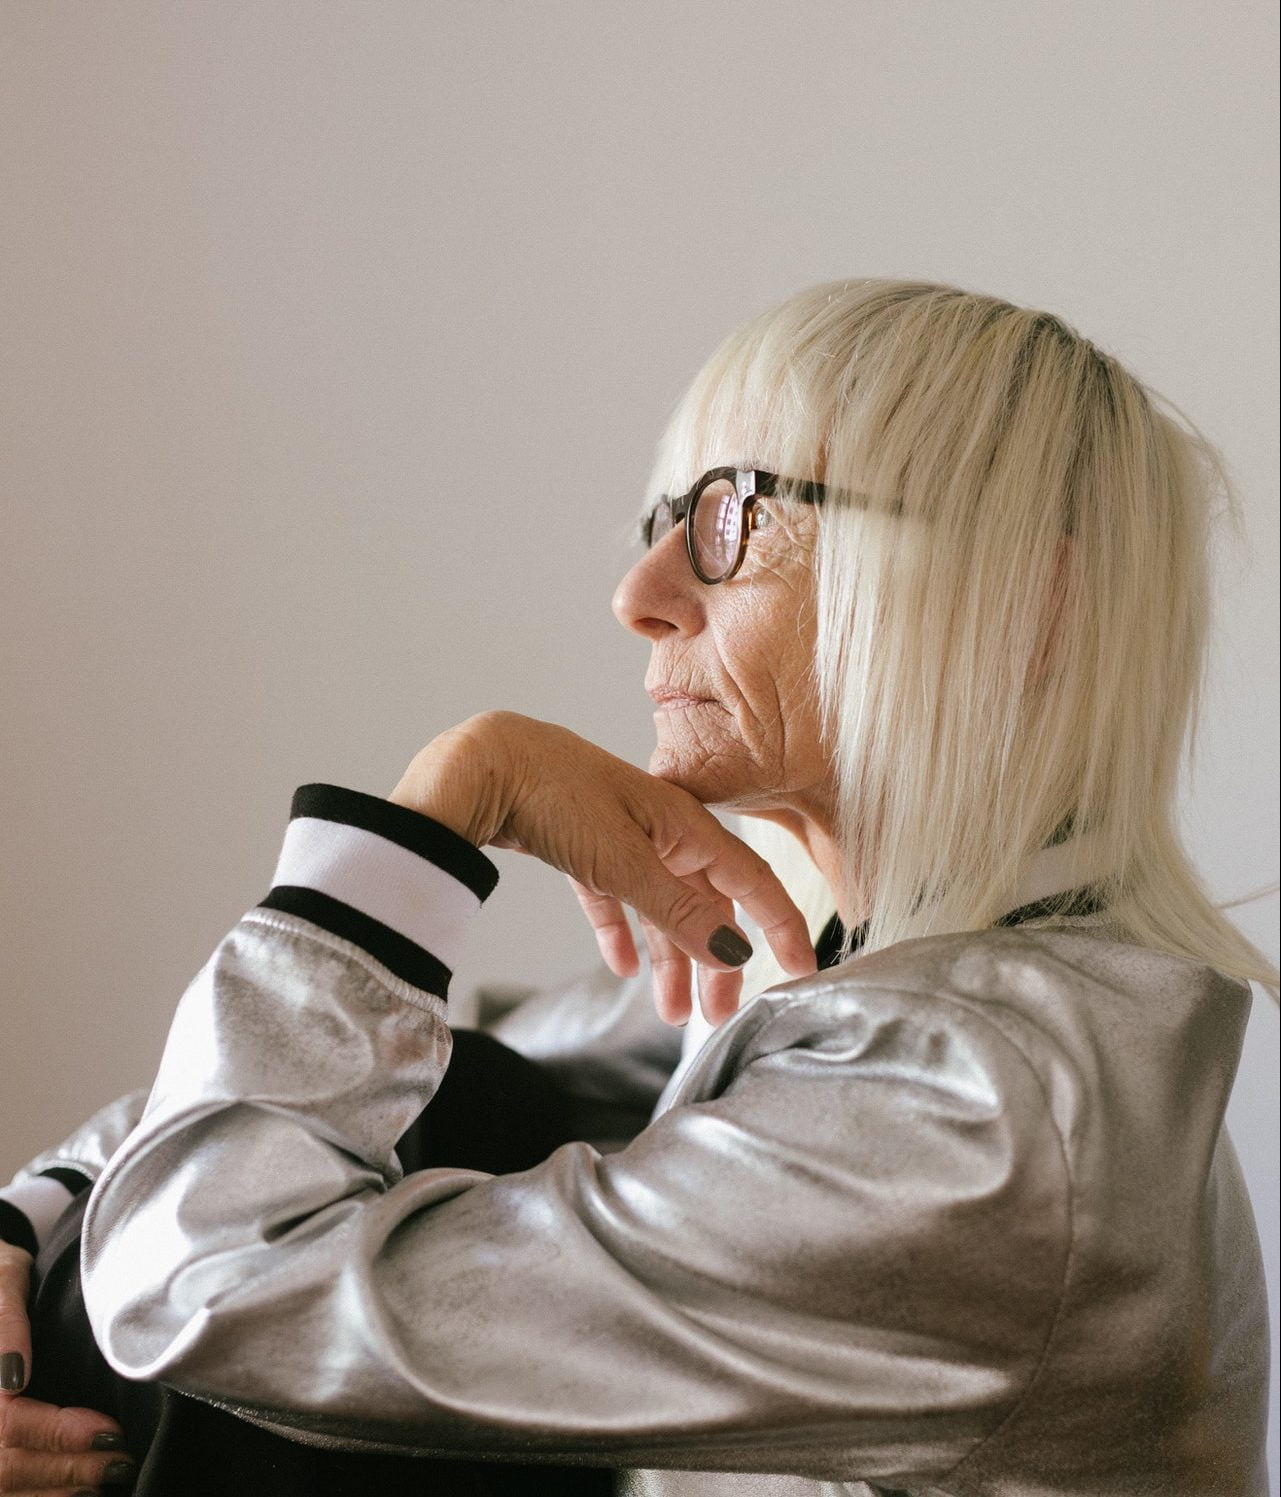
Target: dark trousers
{"type": "Point", "coordinates": [495, 1111]}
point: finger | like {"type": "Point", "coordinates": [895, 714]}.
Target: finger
{"type": "Point", "coordinates": [699, 923]}
{"type": "Point", "coordinates": [613, 932]}
{"type": "Point", "coordinates": [37, 1472]}
{"type": "Point", "coordinates": [29, 1425]}
{"type": "Point", "coordinates": [15, 1328]}
{"type": "Point", "coordinates": [740, 873]}
{"type": "Point", "coordinates": [719, 993]}
{"type": "Point", "coordinates": [670, 974]}
{"type": "Point", "coordinates": [46, 1449]}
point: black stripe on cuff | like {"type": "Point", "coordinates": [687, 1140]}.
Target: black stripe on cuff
{"type": "Point", "coordinates": [72, 1179]}
{"type": "Point", "coordinates": [408, 829]}
{"type": "Point", "coordinates": [16, 1230]}
{"type": "Point", "coordinates": [404, 957]}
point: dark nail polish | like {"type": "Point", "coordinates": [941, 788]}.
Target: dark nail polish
{"type": "Point", "coordinates": [107, 1440]}
{"type": "Point", "coordinates": [118, 1473]}
{"type": "Point", "coordinates": [13, 1372]}
{"type": "Point", "coordinates": [726, 945]}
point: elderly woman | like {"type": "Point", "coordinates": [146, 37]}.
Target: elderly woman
{"type": "Point", "coordinates": [926, 593]}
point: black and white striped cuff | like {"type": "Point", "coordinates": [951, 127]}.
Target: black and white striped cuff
{"type": "Point", "coordinates": [31, 1206]}
{"type": "Point", "coordinates": [397, 884]}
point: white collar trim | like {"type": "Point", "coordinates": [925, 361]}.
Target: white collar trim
{"type": "Point", "coordinates": [1055, 870]}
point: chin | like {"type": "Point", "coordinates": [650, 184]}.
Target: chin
{"type": "Point", "coordinates": [712, 786]}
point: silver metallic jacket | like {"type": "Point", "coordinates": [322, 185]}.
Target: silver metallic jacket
{"type": "Point", "coordinates": [957, 1217]}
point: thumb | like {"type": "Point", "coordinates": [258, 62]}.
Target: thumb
{"type": "Point", "coordinates": [15, 1328]}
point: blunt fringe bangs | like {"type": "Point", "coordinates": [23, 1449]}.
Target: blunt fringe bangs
{"type": "Point", "coordinates": [1013, 615]}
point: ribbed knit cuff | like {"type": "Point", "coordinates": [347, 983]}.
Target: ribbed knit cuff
{"type": "Point", "coordinates": [397, 884]}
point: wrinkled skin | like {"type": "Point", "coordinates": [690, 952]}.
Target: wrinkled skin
{"type": "Point", "coordinates": [745, 733]}
{"type": "Point", "coordinates": [746, 648]}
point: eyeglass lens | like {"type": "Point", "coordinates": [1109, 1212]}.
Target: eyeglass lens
{"type": "Point", "coordinates": [715, 519]}
{"type": "Point", "coordinates": [716, 527]}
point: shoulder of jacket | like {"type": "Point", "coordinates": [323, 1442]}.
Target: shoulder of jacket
{"type": "Point", "coordinates": [1067, 1002]}
{"type": "Point", "coordinates": [1025, 973]}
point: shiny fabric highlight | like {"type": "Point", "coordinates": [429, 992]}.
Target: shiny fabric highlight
{"type": "Point", "coordinates": [956, 1217]}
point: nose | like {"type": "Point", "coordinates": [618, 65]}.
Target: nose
{"type": "Point", "coordinates": [660, 595]}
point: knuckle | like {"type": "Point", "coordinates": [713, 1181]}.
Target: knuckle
{"type": "Point", "coordinates": [71, 1471]}
{"type": "Point", "coordinates": [669, 961]}
{"type": "Point", "coordinates": [9, 1412]}
{"type": "Point", "coordinates": [67, 1430]}
{"type": "Point", "coordinates": [757, 878]}
{"type": "Point", "coordinates": [686, 907]}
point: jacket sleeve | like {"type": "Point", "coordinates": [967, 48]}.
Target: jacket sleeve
{"type": "Point", "coordinates": [837, 1254]}
{"type": "Point", "coordinates": [42, 1190]}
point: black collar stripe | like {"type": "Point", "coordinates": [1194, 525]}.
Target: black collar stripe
{"type": "Point", "coordinates": [1085, 900]}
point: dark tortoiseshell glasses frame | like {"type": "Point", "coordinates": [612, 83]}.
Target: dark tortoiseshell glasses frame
{"type": "Point", "coordinates": [750, 484]}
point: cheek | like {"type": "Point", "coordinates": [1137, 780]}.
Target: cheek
{"type": "Point", "coordinates": [755, 655]}
{"type": "Point", "coordinates": [775, 681]}
{"type": "Point", "coordinates": [786, 718]}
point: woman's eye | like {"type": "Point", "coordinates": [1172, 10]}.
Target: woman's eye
{"type": "Point", "coordinates": [762, 519]}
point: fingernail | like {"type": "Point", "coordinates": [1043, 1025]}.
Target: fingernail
{"type": "Point", "coordinates": [13, 1372]}
{"type": "Point", "coordinates": [726, 945]}
{"type": "Point", "coordinates": [119, 1472]}
{"type": "Point", "coordinates": [107, 1440]}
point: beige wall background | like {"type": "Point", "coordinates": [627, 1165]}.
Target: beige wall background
{"type": "Point", "coordinates": [336, 339]}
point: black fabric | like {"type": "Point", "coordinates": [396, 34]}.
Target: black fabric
{"type": "Point", "coordinates": [420, 834]}
{"type": "Point", "coordinates": [15, 1229]}
{"type": "Point", "coordinates": [827, 949]}
{"type": "Point", "coordinates": [1083, 901]}
{"type": "Point", "coordinates": [71, 1179]}
{"type": "Point", "coordinates": [397, 953]}
{"type": "Point", "coordinates": [494, 1111]}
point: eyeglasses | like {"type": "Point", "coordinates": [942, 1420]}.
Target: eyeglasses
{"type": "Point", "coordinates": [720, 512]}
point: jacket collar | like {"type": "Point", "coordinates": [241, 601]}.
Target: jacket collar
{"type": "Point", "coordinates": [1057, 881]}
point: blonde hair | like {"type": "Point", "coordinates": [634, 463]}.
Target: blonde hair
{"type": "Point", "coordinates": [1012, 614]}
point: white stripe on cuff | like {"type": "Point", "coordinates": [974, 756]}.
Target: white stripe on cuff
{"type": "Point", "coordinates": [41, 1200]}
{"type": "Point", "coordinates": [380, 879]}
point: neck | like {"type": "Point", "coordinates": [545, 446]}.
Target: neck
{"type": "Point", "coordinates": [1069, 863]}
{"type": "Point", "coordinates": [818, 838]}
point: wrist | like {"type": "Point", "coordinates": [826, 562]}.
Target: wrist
{"type": "Point", "coordinates": [461, 779]}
